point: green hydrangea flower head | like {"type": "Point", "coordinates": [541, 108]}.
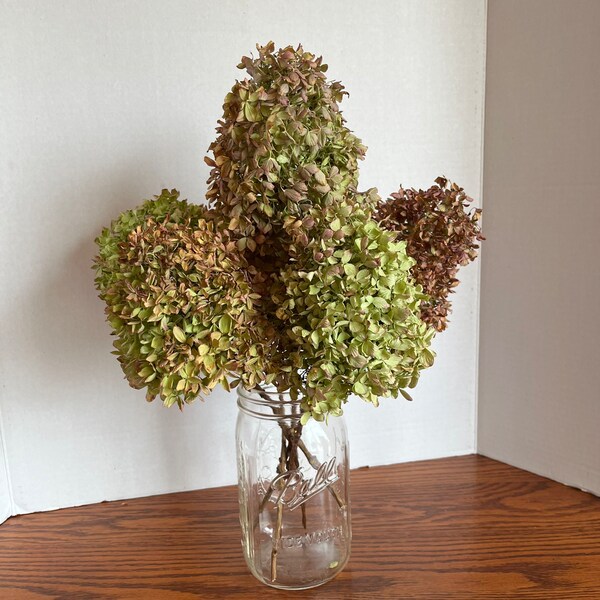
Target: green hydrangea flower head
{"type": "Point", "coordinates": [282, 148]}
{"type": "Point", "coordinates": [352, 313]}
{"type": "Point", "coordinates": [178, 299]}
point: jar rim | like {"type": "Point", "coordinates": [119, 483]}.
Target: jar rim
{"type": "Point", "coordinates": [256, 402]}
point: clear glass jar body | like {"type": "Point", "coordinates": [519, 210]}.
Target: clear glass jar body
{"type": "Point", "coordinates": [293, 492]}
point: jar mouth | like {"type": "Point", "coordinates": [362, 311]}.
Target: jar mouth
{"type": "Point", "coordinates": [267, 403]}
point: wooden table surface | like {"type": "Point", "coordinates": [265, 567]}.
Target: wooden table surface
{"type": "Point", "coordinates": [465, 527]}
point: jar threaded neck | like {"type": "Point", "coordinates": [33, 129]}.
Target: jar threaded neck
{"type": "Point", "coordinates": [267, 403]}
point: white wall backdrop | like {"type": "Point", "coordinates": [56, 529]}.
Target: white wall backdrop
{"type": "Point", "coordinates": [539, 404]}
{"type": "Point", "coordinates": [105, 103]}
{"type": "Point", "coordinates": [5, 492]}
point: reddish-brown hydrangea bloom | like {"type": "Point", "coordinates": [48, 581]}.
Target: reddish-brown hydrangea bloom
{"type": "Point", "coordinates": [441, 234]}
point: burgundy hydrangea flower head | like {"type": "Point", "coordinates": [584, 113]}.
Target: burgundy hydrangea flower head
{"type": "Point", "coordinates": [441, 235]}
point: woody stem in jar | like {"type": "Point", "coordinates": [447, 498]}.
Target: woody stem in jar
{"type": "Point", "coordinates": [312, 459]}
{"type": "Point", "coordinates": [288, 459]}
{"type": "Point", "coordinates": [291, 442]}
{"type": "Point", "coordinates": [291, 459]}
{"type": "Point", "coordinates": [315, 464]}
{"type": "Point", "coordinates": [277, 534]}
{"type": "Point", "coordinates": [294, 437]}
{"type": "Point", "coordinates": [291, 454]}
{"type": "Point", "coordinates": [294, 432]}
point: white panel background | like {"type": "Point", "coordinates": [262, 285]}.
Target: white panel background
{"type": "Point", "coordinates": [539, 403]}
{"type": "Point", "coordinates": [105, 103]}
{"type": "Point", "coordinates": [5, 491]}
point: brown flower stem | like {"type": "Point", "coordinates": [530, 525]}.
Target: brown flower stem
{"type": "Point", "coordinates": [315, 464]}
{"type": "Point", "coordinates": [277, 535]}
{"type": "Point", "coordinates": [303, 509]}
{"type": "Point", "coordinates": [291, 442]}
{"type": "Point", "coordinates": [263, 503]}
{"type": "Point", "coordinates": [312, 459]}
{"type": "Point", "coordinates": [293, 434]}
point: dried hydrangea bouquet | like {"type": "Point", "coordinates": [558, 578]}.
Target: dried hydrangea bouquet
{"type": "Point", "coordinates": [295, 288]}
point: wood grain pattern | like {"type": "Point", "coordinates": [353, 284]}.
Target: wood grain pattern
{"type": "Point", "coordinates": [465, 527]}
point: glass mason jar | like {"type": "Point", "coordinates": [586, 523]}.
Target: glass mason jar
{"type": "Point", "coordinates": [293, 491]}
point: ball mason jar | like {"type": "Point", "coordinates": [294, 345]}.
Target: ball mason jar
{"type": "Point", "coordinates": [293, 491]}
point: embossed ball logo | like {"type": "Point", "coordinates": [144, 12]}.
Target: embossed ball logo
{"type": "Point", "coordinates": [294, 488]}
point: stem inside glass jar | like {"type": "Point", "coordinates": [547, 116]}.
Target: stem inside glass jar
{"type": "Point", "coordinates": [291, 442]}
